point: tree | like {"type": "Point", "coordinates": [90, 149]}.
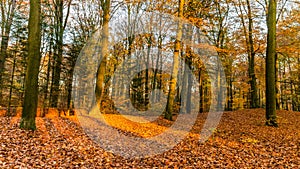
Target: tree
{"type": "Point", "coordinates": [250, 47]}
{"type": "Point", "coordinates": [288, 50]}
{"type": "Point", "coordinates": [84, 21]}
{"type": "Point", "coordinates": [102, 68]}
{"type": "Point", "coordinates": [7, 15]}
{"type": "Point", "coordinates": [60, 27]}
{"type": "Point", "coordinates": [173, 80]}
{"type": "Point", "coordinates": [270, 66]}
{"type": "Point", "coordinates": [31, 82]}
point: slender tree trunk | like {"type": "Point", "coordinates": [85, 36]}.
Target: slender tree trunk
{"type": "Point", "coordinates": [173, 80]}
{"type": "Point", "coordinates": [58, 54]}
{"type": "Point", "coordinates": [11, 86]}
{"type": "Point", "coordinates": [278, 106]}
{"type": "Point", "coordinates": [147, 86]}
{"type": "Point", "coordinates": [207, 100]}
{"type": "Point", "coordinates": [270, 66]}
{"type": "Point", "coordinates": [184, 85]}
{"type": "Point", "coordinates": [285, 100]}
{"type": "Point", "coordinates": [254, 98]}
{"type": "Point", "coordinates": [31, 82]}
{"type": "Point", "coordinates": [201, 92]}
{"type": "Point", "coordinates": [231, 95]}
{"type": "Point", "coordinates": [69, 98]}
{"type": "Point", "coordinates": [292, 88]}
{"type": "Point", "coordinates": [250, 51]}
{"type": "Point", "coordinates": [189, 88]}
{"type": "Point", "coordinates": [292, 95]}
{"type": "Point", "coordinates": [46, 101]}
{"type": "Point", "coordinates": [156, 81]}
{"type": "Point", "coordinates": [155, 85]}
{"type": "Point", "coordinates": [220, 88]}
{"type": "Point", "coordinates": [59, 31]}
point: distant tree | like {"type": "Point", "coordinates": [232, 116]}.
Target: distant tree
{"type": "Point", "coordinates": [288, 60]}
{"type": "Point", "coordinates": [60, 26]}
{"type": "Point", "coordinates": [249, 34]}
{"type": "Point", "coordinates": [7, 16]}
{"type": "Point", "coordinates": [270, 66]}
{"type": "Point", "coordinates": [31, 82]}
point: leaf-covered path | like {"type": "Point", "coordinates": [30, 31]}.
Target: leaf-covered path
{"type": "Point", "coordinates": [240, 141]}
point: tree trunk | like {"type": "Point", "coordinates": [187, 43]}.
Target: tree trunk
{"type": "Point", "coordinates": [230, 95]}
{"type": "Point", "coordinates": [278, 105]}
{"type": "Point", "coordinates": [156, 85]}
{"type": "Point", "coordinates": [31, 82]}
{"type": "Point", "coordinates": [173, 80]}
{"type": "Point", "coordinates": [251, 53]}
{"type": "Point", "coordinates": [104, 52]}
{"type": "Point", "coordinates": [11, 86]}
{"type": "Point", "coordinates": [183, 94]}
{"type": "Point", "coordinates": [187, 78]}
{"type": "Point", "coordinates": [189, 88]}
{"type": "Point", "coordinates": [59, 31]}
{"type": "Point", "coordinates": [147, 86]}
{"type": "Point", "coordinates": [201, 91]}
{"type": "Point", "coordinates": [58, 54]}
{"type": "Point", "coordinates": [46, 101]}
{"type": "Point", "coordinates": [69, 88]}
{"type": "Point", "coordinates": [270, 66]}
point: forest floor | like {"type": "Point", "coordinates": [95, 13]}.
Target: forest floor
{"type": "Point", "coordinates": [241, 140]}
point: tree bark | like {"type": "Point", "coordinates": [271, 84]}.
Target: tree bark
{"type": "Point", "coordinates": [31, 82]}
{"type": "Point", "coordinates": [102, 68]}
{"type": "Point", "coordinates": [270, 66]}
{"type": "Point", "coordinates": [173, 80]}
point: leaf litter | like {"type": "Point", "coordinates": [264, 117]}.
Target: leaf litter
{"type": "Point", "coordinates": [240, 141]}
